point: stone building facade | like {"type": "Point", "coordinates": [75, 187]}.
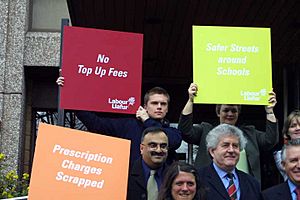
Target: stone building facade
{"type": "Point", "coordinates": [29, 44]}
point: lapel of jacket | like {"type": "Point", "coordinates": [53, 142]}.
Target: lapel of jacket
{"type": "Point", "coordinates": [243, 185]}
{"type": "Point", "coordinates": [284, 191]}
{"type": "Point", "coordinates": [247, 187]}
{"type": "Point", "coordinates": [137, 173]}
{"type": "Point", "coordinates": [215, 182]}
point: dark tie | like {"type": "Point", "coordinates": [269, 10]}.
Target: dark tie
{"type": "Point", "coordinates": [297, 191]}
{"type": "Point", "coordinates": [231, 189]}
{"type": "Point", "coordinates": [152, 188]}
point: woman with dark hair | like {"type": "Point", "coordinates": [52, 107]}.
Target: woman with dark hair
{"type": "Point", "coordinates": [181, 181]}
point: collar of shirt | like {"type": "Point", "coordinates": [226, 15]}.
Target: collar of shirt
{"type": "Point", "coordinates": [158, 176]}
{"type": "Point", "coordinates": [292, 187]}
{"type": "Point", "coordinates": [225, 180]}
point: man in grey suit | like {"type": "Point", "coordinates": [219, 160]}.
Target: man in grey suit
{"type": "Point", "coordinates": [221, 178]}
{"type": "Point", "coordinates": [290, 189]}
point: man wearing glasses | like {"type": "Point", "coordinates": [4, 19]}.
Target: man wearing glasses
{"type": "Point", "coordinates": [147, 172]}
{"type": "Point", "coordinates": [228, 114]}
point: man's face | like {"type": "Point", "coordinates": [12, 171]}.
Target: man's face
{"type": "Point", "coordinates": [184, 186]}
{"type": "Point", "coordinates": [228, 114]}
{"type": "Point", "coordinates": [157, 106]}
{"type": "Point", "coordinates": [291, 164]}
{"type": "Point", "coordinates": [154, 149]}
{"type": "Point", "coordinates": [227, 153]}
{"type": "Point", "coordinates": [294, 128]}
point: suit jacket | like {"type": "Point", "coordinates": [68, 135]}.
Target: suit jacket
{"type": "Point", "coordinates": [257, 140]}
{"type": "Point", "coordinates": [278, 192]}
{"type": "Point", "coordinates": [215, 190]}
{"type": "Point", "coordinates": [137, 188]}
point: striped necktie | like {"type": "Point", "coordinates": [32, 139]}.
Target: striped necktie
{"type": "Point", "coordinates": [231, 189]}
{"type": "Point", "coordinates": [152, 188]}
{"type": "Point", "coordinates": [297, 191]}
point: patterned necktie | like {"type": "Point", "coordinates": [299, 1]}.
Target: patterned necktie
{"type": "Point", "coordinates": [231, 189]}
{"type": "Point", "coordinates": [297, 191]}
{"type": "Point", "coordinates": [152, 188]}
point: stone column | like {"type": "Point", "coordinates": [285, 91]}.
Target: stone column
{"type": "Point", "coordinates": [13, 26]}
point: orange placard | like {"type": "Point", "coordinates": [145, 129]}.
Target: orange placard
{"type": "Point", "coordinates": [73, 164]}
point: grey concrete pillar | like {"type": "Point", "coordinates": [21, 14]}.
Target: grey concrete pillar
{"type": "Point", "coordinates": [13, 26]}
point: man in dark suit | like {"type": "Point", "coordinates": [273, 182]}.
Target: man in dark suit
{"type": "Point", "coordinates": [290, 189]}
{"type": "Point", "coordinates": [221, 178]}
{"type": "Point", "coordinates": [154, 152]}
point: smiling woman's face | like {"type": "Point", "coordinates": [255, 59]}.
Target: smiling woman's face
{"type": "Point", "coordinates": [294, 128]}
{"type": "Point", "coordinates": [228, 114]}
{"type": "Point", "coordinates": [184, 186]}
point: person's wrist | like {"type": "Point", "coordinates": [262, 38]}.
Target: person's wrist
{"type": "Point", "coordinates": [144, 119]}
{"type": "Point", "coordinates": [269, 112]}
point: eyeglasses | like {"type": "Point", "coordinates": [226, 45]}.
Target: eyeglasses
{"type": "Point", "coordinates": [154, 146]}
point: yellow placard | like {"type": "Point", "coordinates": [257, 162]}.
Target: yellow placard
{"type": "Point", "coordinates": [72, 164]}
{"type": "Point", "coordinates": [232, 65]}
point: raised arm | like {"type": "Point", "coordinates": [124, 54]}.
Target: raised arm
{"type": "Point", "coordinates": [269, 108]}
{"type": "Point", "coordinates": [190, 134]}
{"type": "Point", "coordinates": [192, 91]}
{"type": "Point", "coordinates": [269, 138]}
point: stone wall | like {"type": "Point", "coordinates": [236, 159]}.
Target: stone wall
{"type": "Point", "coordinates": [13, 23]}
{"type": "Point", "coordinates": [19, 49]}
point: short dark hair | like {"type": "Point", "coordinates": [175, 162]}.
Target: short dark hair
{"type": "Point", "coordinates": [172, 173]}
{"type": "Point", "coordinates": [218, 107]}
{"type": "Point", "coordinates": [156, 90]}
{"type": "Point", "coordinates": [293, 115]}
{"type": "Point", "coordinates": [152, 129]}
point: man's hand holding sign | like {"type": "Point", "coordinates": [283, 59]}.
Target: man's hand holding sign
{"type": "Point", "coordinates": [141, 114]}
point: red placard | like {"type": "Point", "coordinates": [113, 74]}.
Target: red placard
{"type": "Point", "coordinates": [102, 70]}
